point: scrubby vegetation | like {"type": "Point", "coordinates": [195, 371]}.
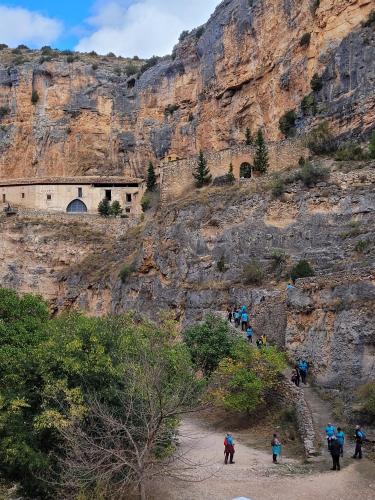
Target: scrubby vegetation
{"type": "Point", "coordinates": [261, 162]}
{"type": "Point", "coordinates": [305, 40]}
{"type": "Point", "coordinates": [253, 273]}
{"type": "Point", "coordinates": [126, 272]}
{"type": "Point", "coordinates": [366, 398]}
{"type": "Point", "coordinates": [108, 209]}
{"type": "Point", "coordinates": [350, 151]}
{"type": "Point", "coordinates": [316, 83]}
{"type": "Point", "coordinates": [320, 140]}
{"type": "Point", "coordinates": [311, 174]}
{"type": "Point", "coordinates": [4, 110]}
{"type": "Point", "coordinates": [287, 123]}
{"type": "Point", "coordinates": [277, 186]}
{"type": "Point", "coordinates": [302, 269]}
{"type": "Point", "coordinates": [146, 201]}
{"type": "Point", "coordinates": [308, 105]}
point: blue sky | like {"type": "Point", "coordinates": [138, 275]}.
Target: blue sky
{"type": "Point", "coordinates": [126, 27]}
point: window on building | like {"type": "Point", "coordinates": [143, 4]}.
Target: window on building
{"type": "Point", "coordinates": [4, 198]}
{"type": "Point", "coordinates": [79, 192]}
{"type": "Point", "coordinates": [22, 195]}
{"type": "Point", "coordinates": [127, 210]}
{"type": "Point", "coordinates": [49, 196]}
{"type": "Point", "coordinates": [108, 194]}
{"type": "Point", "coordinates": [128, 198]}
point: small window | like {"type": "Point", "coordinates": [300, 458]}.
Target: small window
{"type": "Point", "coordinates": [79, 192]}
{"type": "Point", "coordinates": [22, 195]}
{"type": "Point", "coordinates": [127, 210]}
{"type": "Point", "coordinates": [49, 196]}
{"type": "Point", "coordinates": [108, 194]}
{"type": "Point", "coordinates": [4, 198]}
{"type": "Point", "coordinates": [128, 198]}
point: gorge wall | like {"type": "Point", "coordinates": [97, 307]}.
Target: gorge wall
{"type": "Point", "coordinates": [244, 68]}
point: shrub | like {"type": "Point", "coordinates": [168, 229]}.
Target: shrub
{"type": "Point", "coordinates": [277, 186]}
{"type": "Point", "coordinates": [93, 53]}
{"type": "Point", "coordinates": [104, 208]}
{"type": "Point", "coordinates": [135, 58]}
{"type": "Point", "coordinates": [115, 209]}
{"type": "Point", "coordinates": [372, 146]}
{"type": "Point", "coordinates": [366, 397]}
{"type": "Point", "coordinates": [23, 47]}
{"type": "Point", "coordinates": [221, 264]}
{"type": "Point", "coordinates": [230, 174]}
{"type": "Point", "coordinates": [16, 51]}
{"type": "Point", "coordinates": [287, 123]}
{"type": "Point", "coordinates": [183, 35]}
{"type": "Point", "coordinates": [3, 46]}
{"type": "Point", "coordinates": [248, 137]}
{"type": "Point", "coordinates": [151, 177]}
{"type": "Point", "coordinates": [117, 70]}
{"type": "Point", "coordinates": [146, 201]}
{"type": "Point", "coordinates": [350, 151]}
{"type": "Point", "coordinates": [301, 270]}
{"type": "Point", "coordinates": [131, 69]}
{"type": "Point", "coordinates": [34, 96]}
{"type": "Point", "coordinates": [199, 32]}
{"type": "Point", "coordinates": [72, 58]}
{"type": "Point", "coordinates": [261, 162]}
{"type": "Point", "coordinates": [308, 105]}
{"type": "Point", "coordinates": [4, 110]}
{"type": "Point", "coordinates": [126, 272]}
{"type": "Point", "coordinates": [314, 6]}
{"type": "Point", "coordinates": [362, 246]}
{"type": "Point", "coordinates": [208, 342]}
{"type": "Point", "coordinates": [95, 66]}
{"type": "Point", "coordinates": [320, 140]}
{"type": "Point", "coordinates": [171, 109]}
{"type": "Point", "coordinates": [149, 64]}
{"type": "Point", "coordinates": [44, 59]}
{"type": "Point", "coordinates": [66, 52]}
{"type": "Point", "coordinates": [311, 174]}
{"type": "Point", "coordinates": [370, 20]}
{"type": "Point", "coordinates": [111, 54]}
{"type": "Point", "coordinates": [253, 273]}
{"type": "Point", "coordinates": [316, 83]}
{"type": "Point", "coordinates": [305, 40]}
{"type": "Point", "coordinates": [278, 261]}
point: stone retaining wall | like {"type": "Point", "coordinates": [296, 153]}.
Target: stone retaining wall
{"type": "Point", "coordinates": [176, 177]}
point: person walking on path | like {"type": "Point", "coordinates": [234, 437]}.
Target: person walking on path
{"type": "Point", "coordinates": [303, 367]}
{"type": "Point", "coordinates": [276, 449]}
{"type": "Point", "coordinates": [340, 436]}
{"type": "Point", "coordinates": [296, 379]}
{"type": "Point", "coordinates": [230, 314]}
{"type": "Point", "coordinates": [228, 449]}
{"type": "Point", "coordinates": [335, 450]}
{"type": "Point", "coordinates": [244, 321]}
{"type": "Point", "coordinates": [249, 334]}
{"type": "Point", "coordinates": [237, 318]}
{"type": "Point", "coordinates": [359, 436]}
{"type": "Point", "coordinates": [330, 433]}
{"type": "Point", "coordinates": [259, 343]}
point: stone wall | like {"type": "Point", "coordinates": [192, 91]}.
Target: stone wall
{"type": "Point", "coordinates": [176, 177]}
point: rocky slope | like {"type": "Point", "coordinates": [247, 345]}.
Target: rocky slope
{"type": "Point", "coordinates": [174, 256]}
{"type": "Point", "coordinates": [244, 68]}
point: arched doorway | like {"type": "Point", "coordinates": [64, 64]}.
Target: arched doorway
{"type": "Point", "coordinates": [76, 207]}
{"type": "Point", "coordinates": [245, 170]}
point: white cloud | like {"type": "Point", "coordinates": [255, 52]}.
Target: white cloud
{"type": "Point", "coordinates": [143, 28]}
{"type": "Point", "coordinates": [18, 25]}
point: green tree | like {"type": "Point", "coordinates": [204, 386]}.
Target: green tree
{"type": "Point", "coordinates": [287, 123]}
{"type": "Point", "coordinates": [151, 177]}
{"type": "Point", "coordinates": [230, 174]}
{"type": "Point", "coordinates": [202, 174]}
{"type": "Point", "coordinates": [209, 342]}
{"type": "Point", "coordinates": [372, 146]}
{"type": "Point", "coordinates": [302, 269]}
{"type": "Point", "coordinates": [247, 381]}
{"type": "Point", "coordinates": [115, 209]}
{"type": "Point", "coordinates": [104, 208]}
{"type": "Point", "coordinates": [248, 137]}
{"type": "Point", "coordinates": [261, 162]}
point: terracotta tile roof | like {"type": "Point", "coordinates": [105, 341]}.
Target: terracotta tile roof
{"type": "Point", "coordinates": [70, 180]}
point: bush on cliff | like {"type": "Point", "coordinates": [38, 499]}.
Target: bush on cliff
{"type": "Point", "coordinates": [350, 151]}
{"type": "Point", "coordinates": [278, 186]}
{"type": "Point", "coordinates": [316, 83]}
{"type": "Point", "coordinates": [126, 272]}
{"type": "Point", "coordinates": [209, 342]}
{"type": "Point", "coordinates": [302, 269]}
{"type": "Point", "coordinates": [248, 380]}
{"type": "Point", "coordinates": [311, 174]}
{"type": "Point", "coordinates": [366, 398]}
{"type": "Point", "coordinates": [372, 146]}
{"type": "Point", "coordinates": [320, 140]}
{"type": "Point", "coordinates": [305, 40]}
{"type": "Point", "coordinates": [253, 273]}
{"type": "Point", "coordinates": [287, 123]}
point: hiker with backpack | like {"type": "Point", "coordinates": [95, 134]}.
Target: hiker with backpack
{"type": "Point", "coordinates": [330, 433]}
{"type": "Point", "coordinates": [296, 379]}
{"type": "Point", "coordinates": [340, 436]}
{"type": "Point", "coordinates": [360, 437]}
{"type": "Point", "coordinates": [244, 320]}
{"type": "Point", "coordinates": [335, 453]}
{"type": "Point", "coordinates": [303, 367]}
{"type": "Point", "coordinates": [228, 449]}
{"type": "Point", "coordinates": [276, 449]}
{"type": "Point", "coordinates": [249, 334]}
{"type": "Point", "coordinates": [237, 318]}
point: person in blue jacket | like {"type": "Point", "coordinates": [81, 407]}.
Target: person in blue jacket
{"type": "Point", "coordinates": [340, 436]}
{"type": "Point", "coordinates": [237, 318]}
{"type": "Point", "coordinates": [330, 432]}
{"type": "Point", "coordinates": [244, 321]}
{"type": "Point", "coordinates": [276, 448]}
{"type": "Point", "coordinates": [249, 334]}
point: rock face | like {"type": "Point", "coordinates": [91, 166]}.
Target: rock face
{"type": "Point", "coordinates": [176, 251]}
{"type": "Point", "coordinates": [244, 68]}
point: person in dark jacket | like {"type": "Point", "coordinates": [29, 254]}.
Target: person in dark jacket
{"type": "Point", "coordinates": [335, 450]}
{"type": "Point", "coordinates": [359, 438]}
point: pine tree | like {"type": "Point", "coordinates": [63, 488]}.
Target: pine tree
{"type": "Point", "coordinates": [372, 146]}
{"type": "Point", "coordinates": [115, 209]}
{"type": "Point", "coordinates": [230, 174]}
{"type": "Point", "coordinates": [261, 162]}
{"type": "Point", "coordinates": [202, 174]}
{"type": "Point", "coordinates": [151, 177]}
{"type": "Point", "coordinates": [104, 208]}
{"type": "Point", "coordinates": [248, 137]}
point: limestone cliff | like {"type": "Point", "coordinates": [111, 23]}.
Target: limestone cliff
{"type": "Point", "coordinates": [245, 68]}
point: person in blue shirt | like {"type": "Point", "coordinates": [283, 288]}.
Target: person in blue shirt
{"type": "Point", "coordinates": [237, 318]}
{"type": "Point", "coordinates": [249, 334]}
{"type": "Point", "coordinates": [303, 368]}
{"type": "Point", "coordinates": [340, 436]}
{"type": "Point", "coordinates": [276, 448]}
{"type": "Point", "coordinates": [290, 286]}
{"type": "Point", "coordinates": [244, 321]}
{"type": "Point", "coordinates": [330, 432]}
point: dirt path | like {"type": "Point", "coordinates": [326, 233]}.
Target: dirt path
{"type": "Point", "coordinates": [255, 477]}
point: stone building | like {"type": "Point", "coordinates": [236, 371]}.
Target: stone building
{"type": "Point", "coordinates": [73, 194]}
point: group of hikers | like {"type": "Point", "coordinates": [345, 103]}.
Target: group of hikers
{"type": "Point", "coordinates": [336, 441]}
{"type": "Point", "coordinates": [240, 318]}
{"type": "Point", "coordinates": [335, 437]}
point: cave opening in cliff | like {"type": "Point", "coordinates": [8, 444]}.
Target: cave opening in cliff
{"type": "Point", "coordinates": [246, 170]}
